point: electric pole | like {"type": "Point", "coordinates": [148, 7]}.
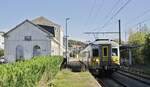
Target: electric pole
{"type": "Point", "coordinates": [119, 32]}
{"type": "Point", "coordinates": [67, 39]}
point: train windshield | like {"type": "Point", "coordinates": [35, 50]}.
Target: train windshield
{"type": "Point", "coordinates": [114, 52]}
{"type": "Point", "coordinates": [95, 52]}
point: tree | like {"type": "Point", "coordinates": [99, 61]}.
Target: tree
{"type": "Point", "coordinates": [137, 39]}
{"type": "Point", "coordinates": [146, 50]}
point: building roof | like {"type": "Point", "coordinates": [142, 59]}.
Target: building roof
{"type": "Point", "coordinates": [2, 32]}
{"type": "Point", "coordinates": [48, 28]}
{"type": "Point", "coordinates": [41, 23]}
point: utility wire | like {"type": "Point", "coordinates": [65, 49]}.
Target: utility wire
{"type": "Point", "coordinates": [111, 11]}
{"type": "Point", "coordinates": [120, 9]}
{"type": "Point", "coordinates": [139, 16]}
{"type": "Point", "coordinates": [99, 9]}
{"type": "Point", "coordinates": [114, 6]}
{"type": "Point", "coordinates": [90, 13]}
{"type": "Point", "coordinates": [141, 22]}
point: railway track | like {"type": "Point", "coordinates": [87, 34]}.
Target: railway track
{"type": "Point", "coordinates": [110, 82]}
{"type": "Point", "coordinates": [118, 79]}
{"type": "Point", "coordinates": [136, 72]}
{"type": "Point", "coordinates": [128, 80]}
{"type": "Point", "coordinates": [137, 77]}
{"type": "Point", "coordinates": [123, 79]}
{"type": "Point", "coordinates": [76, 66]}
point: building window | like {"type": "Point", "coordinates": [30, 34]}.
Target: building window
{"type": "Point", "coordinates": [27, 38]}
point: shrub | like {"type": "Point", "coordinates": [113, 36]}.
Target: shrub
{"type": "Point", "coordinates": [28, 73]}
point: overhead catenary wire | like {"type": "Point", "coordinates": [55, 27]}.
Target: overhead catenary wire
{"type": "Point", "coordinates": [120, 9]}
{"type": "Point", "coordinates": [111, 11]}
{"type": "Point", "coordinates": [113, 7]}
{"type": "Point", "coordinates": [140, 22]}
{"type": "Point", "coordinates": [115, 14]}
{"type": "Point", "coordinates": [99, 9]}
{"type": "Point", "coordinates": [139, 16]}
{"type": "Point", "coordinates": [90, 12]}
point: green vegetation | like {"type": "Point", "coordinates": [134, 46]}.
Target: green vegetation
{"type": "Point", "coordinates": [76, 46]}
{"type": "Point", "coordinates": [137, 39]}
{"type": "Point", "coordinates": [146, 50]}
{"type": "Point", "coordinates": [74, 42]}
{"type": "Point", "coordinates": [29, 73]}
{"type": "Point", "coordinates": [1, 53]}
{"type": "Point", "coordinates": [141, 54]}
{"type": "Point", "coordinates": [66, 78]}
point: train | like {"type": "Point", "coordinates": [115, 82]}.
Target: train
{"type": "Point", "coordinates": [102, 55]}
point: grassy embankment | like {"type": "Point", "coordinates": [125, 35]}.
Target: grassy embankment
{"type": "Point", "coordinates": [66, 78]}
{"type": "Point", "coordinates": [30, 72]}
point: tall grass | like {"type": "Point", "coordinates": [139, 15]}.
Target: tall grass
{"type": "Point", "coordinates": [28, 73]}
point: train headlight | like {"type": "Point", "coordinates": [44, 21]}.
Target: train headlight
{"type": "Point", "coordinates": [97, 60]}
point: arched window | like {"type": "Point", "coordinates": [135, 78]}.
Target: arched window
{"type": "Point", "coordinates": [36, 50]}
{"type": "Point", "coordinates": [19, 53]}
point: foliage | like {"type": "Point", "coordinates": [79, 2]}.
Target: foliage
{"type": "Point", "coordinates": [146, 50]}
{"type": "Point", "coordinates": [1, 53]}
{"type": "Point", "coordinates": [28, 73]}
{"type": "Point", "coordinates": [137, 39]}
{"type": "Point", "coordinates": [74, 42]}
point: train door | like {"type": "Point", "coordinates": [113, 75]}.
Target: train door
{"type": "Point", "coordinates": [106, 54]}
{"type": "Point", "coordinates": [95, 59]}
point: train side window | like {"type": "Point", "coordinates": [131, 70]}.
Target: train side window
{"type": "Point", "coordinates": [95, 52]}
{"type": "Point", "coordinates": [114, 52]}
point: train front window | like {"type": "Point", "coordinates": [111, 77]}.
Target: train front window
{"type": "Point", "coordinates": [95, 52]}
{"type": "Point", "coordinates": [114, 52]}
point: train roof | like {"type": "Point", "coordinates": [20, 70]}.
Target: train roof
{"type": "Point", "coordinates": [101, 41]}
{"type": "Point", "coordinates": [105, 41]}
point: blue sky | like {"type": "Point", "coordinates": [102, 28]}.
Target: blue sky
{"type": "Point", "coordinates": [82, 18]}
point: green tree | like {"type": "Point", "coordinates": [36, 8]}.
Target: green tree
{"type": "Point", "coordinates": [146, 50]}
{"type": "Point", "coordinates": [137, 39]}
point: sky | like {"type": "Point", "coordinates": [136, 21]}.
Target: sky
{"type": "Point", "coordinates": [85, 15]}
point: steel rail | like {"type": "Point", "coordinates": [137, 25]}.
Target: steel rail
{"type": "Point", "coordinates": [135, 77]}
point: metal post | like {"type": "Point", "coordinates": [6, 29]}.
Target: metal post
{"type": "Point", "coordinates": [119, 32]}
{"type": "Point", "coordinates": [130, 56]}
{"type": "Point", "coordinates": [125, 36]}
{"type": "Point", "coordinates": [67, 41]}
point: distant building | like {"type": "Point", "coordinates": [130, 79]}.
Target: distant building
{"type": "Point", "coordinates": [33, 38]}
{"type": "Point", "coordinates": [1, 40]}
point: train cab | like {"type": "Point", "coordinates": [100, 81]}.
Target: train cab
{"type": "Point", "coordinates": [102, 55]}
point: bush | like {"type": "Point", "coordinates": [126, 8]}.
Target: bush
{"type": "Point", "coordinates": [28, 73]}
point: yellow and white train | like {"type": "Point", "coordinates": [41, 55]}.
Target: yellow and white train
{"type": "Point", "coordinates": [101, 55]}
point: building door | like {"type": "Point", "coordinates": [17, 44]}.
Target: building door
{"type": "Point", "coordinates": [19, 53]}
{"type": "Point", "coordinates": [36, 50]}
